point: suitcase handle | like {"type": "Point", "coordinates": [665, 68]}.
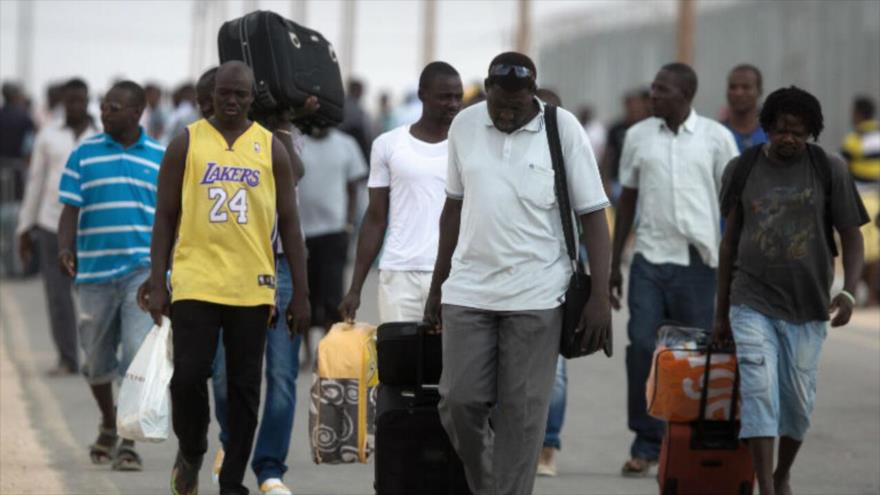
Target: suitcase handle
{"type": "Point", "coordinates": [420, 367]}
{"type": "Point", "coordinates": [262, 96]}
{"type": "Point", "coordinates": [704, 398]}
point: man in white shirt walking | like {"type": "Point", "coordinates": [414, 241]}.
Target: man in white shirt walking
{"type": "Point", "coordinates": [670, 168]}
{"type": "Point", "coordinates": [41, 209]}
{"type": "Point", "coordinates": [503, 288]}
{"type": "Point", "coordinates": [328, 196]}
{"type": "Point", "coordinates": [407, 188]}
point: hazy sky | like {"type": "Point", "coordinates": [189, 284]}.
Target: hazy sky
{"type": "Point", "coordinates": [153, 40]}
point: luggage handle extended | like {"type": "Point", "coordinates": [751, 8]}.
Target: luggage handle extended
{"type": "Point", "coordinates": [420, 362]}
{"type": "Point", "coordinates": [729, 441]}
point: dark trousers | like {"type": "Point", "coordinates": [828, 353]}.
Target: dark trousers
{"type": "Point", "coordinates": [658, 293]}
{"type": "Point", "coordinates": [59, 298]}
{"type": "Point", "coordinates": [196, 330]}
{"type": "Point", "coordinates": [326, 264]}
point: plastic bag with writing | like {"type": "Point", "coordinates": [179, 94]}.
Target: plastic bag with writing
{"type": "Point", "coordinates": [144, 406]}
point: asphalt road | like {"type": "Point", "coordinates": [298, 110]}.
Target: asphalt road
{"type": "Point", "coordinates": [841, 454]}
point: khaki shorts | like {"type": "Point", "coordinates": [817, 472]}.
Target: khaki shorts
{"type": "Point", "coordinates": [402, 295]}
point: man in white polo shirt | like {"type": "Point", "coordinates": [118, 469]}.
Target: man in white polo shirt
{"type": "Point", "coordinates": [501, 302]}
{"type": "Point", "coordinates": [670, 169]}
{"type": "Point", "coordinates": [407, 185]}
{"type": "Point", "coordinates": [41, 209]}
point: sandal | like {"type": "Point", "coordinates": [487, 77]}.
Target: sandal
{"type": "Point", "coordinates": [101, 452]}
{"type": "Point", "coordinates": [127, 459]}
{"type": "Point", "coordinates": [637, 468]}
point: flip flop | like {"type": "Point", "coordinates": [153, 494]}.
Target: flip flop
{"type": "Point", "coordinates": [127, 459]}
{"type": "Point", "coordinates": [101, 452]}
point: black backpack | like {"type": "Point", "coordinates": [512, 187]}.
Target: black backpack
{"type": "Point", "coordinates": [821, 166]}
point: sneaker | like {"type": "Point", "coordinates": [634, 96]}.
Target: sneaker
{"type": "Point", "coordinates": [547, 462]}
{"type": "Point", "coordinates": [218, 465]}
{"type": "Point", "coordinates": [185, 476]}
{"type": "Point", "coordinates": [274, 486]}
{"type": "Point", "coordinates": [637, 468]}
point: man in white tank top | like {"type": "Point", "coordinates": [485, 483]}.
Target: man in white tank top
{"type": "Point", "coordinates": [407, 187]}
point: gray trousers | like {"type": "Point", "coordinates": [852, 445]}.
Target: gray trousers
{"type": "Point", "coordinates": [499, 364]}
{"type": "Point", "coordinates": [59, 298]}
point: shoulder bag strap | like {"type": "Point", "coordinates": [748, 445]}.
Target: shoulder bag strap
{"type": "Point", "coordinates": [561, 185]}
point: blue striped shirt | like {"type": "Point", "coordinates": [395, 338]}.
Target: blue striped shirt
{"type": "Point", "coordinates": [115, 191]}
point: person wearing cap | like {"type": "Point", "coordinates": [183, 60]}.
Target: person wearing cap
{"type": "Point", "coordinates": [503, 288]}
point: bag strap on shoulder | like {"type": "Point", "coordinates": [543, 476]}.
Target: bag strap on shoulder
{"type": "Point", "coordinates": [822, 168]}
{"type": "Point", "coordinates": [743, 167]}
{"type": "Point", "coordinates": [561, 184]}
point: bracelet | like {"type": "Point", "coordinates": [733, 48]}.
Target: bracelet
{"type": "Point", "coordinates": [852, 298]}
{"type": "Point", "coordinates": [284, 131]}
{"type": "Point", "coordinates": [64, 251]}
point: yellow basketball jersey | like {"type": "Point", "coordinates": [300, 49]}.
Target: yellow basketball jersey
{"type": "Point", "coordinates": [224, 249]}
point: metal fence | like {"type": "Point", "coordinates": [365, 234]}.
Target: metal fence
{"type": "Point", "coordinates": [830, 48]}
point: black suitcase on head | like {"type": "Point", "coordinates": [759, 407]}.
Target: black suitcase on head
{"type": "Point", "coordinates": [290, 62]}
{"type": "Point", "coordinates": [413, 453]}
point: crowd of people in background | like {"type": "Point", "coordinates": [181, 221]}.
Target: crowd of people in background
{"type": "Point", "coordinates": [416, 168]}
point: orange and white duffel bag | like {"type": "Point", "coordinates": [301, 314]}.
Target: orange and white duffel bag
{"type": "Point", "coordinates": [678, 374]}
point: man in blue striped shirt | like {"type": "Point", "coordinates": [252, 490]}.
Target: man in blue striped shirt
{"type": "Point", "coordinates": [108, 189]}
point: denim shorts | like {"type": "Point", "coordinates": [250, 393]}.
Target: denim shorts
{"type": "Point", "coordinates": [777, 361]}
{"type": "Point", "coordinates": [110, 321]}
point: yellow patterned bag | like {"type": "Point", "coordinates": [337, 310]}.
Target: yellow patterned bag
{"type": "Point", "coordinates": [343, 395]}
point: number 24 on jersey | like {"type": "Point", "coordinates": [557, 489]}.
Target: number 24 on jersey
{"type": "Point", "coordinates": [237, 204]}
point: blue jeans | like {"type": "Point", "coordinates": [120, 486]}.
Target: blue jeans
{"type": "Point", "coordinates": [109, 318]}
{"type": "Point", "coordinates": [282, 368]}
{"type": "Point", "coordinates": [658, 293]}
{"type": "Point", "coordinates": [556, 414]}
{"type": "Point", "coordinates": [777, 362]}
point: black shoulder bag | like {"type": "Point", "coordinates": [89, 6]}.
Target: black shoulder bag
{"type": "Point", "coordinates": [573, 342]}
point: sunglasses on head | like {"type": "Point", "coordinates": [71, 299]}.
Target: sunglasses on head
{"type": "Point", "coordinates": [508, 69]}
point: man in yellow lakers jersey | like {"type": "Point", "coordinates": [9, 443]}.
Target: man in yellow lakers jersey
{"type": "Point", "coordinates": [220, 186]}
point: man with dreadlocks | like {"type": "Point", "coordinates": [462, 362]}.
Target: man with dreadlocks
{"type": "Point", "coordinates": [781, 201]}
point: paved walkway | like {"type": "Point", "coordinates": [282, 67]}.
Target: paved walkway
{"type": "Point", "coordinates": [47, 423]}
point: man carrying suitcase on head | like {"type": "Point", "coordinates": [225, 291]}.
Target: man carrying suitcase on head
{"type": "Point", "coordinates": [502, 313]}
{"type": "Point", "coordinates": [407, 183]}
{"type": "Point", "coordinates": [782, 200]}
{"type": "Point", "coordinates": [221, 184]}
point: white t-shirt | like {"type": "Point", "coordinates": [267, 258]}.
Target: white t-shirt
{"type": "Point", "coordinates": [511, 252]}
{"type": "Point", "coordinates": [331, 163]}
{"type": "Point", "coordinates": [415, 172]}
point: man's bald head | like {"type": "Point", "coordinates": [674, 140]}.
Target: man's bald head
{"type": "Point", "coordinates": [233, 92]}
{"type": "Point", "coordinates": [236, 68]}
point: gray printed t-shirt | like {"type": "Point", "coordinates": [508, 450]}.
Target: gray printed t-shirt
{"type": "Point", "coordinates": [784, 265]}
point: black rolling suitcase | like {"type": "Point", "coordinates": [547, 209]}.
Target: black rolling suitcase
{"type": "Point", "coordinates": [397, 347]}
{"type": "Point", "coordinates": [290, 62]}
{"type": "Point", "coordinates": [413, 453]}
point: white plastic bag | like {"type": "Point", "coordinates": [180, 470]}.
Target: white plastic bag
{"type": "Point", "coordinates": [144, 407]}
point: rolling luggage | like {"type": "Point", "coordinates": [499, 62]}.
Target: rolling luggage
{"type": "Point", "coordinates": [413, 453]}
{"type": "Point", "coordinates": [706, 457]}
{"type": "Point", "coordinates": [398, 345]}
{"type": "Point", "coordinates": [290, 62]}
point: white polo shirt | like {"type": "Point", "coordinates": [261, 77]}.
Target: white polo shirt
{"type": "Point", "coordinates": [679, 179]}
{"type": "Point", "coordinates": [511, 252]}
